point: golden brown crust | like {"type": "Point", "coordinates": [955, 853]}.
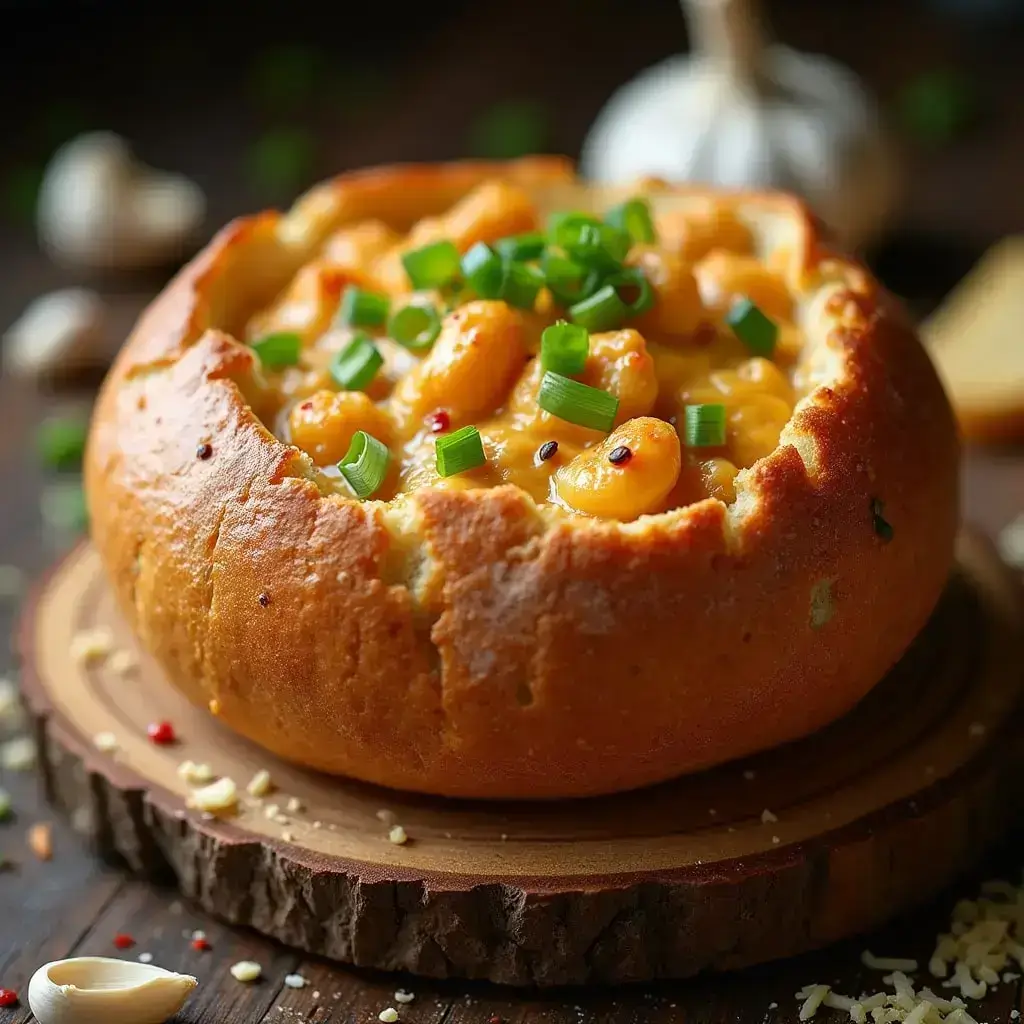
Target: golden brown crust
{"type": "Point", "coordinates": [461, 643]}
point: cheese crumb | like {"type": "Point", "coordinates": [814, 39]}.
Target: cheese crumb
{"type": "Point", "coordinates": [246, 970]}
{"type": "Point", "coordinates": [401, 996]}
{"type": "Point", "coordinates": [388, 1016]}
{"type": "Point", "coordinates": [91, 645]}
{"type": "Point", "coordinates": [218, 796]}
{"type": "Point", "coordinates": [196, 774]}
{"type": "Point", "coordinates": [892, 963]}
{"type": "Point", "coordinates": [145, 958]}
{"type": "Point", "coordinates": [295, 981]}
{"type": "Point", "coordinates": [18, 755]}
{"type": "Point", "coordinates": [288, 837]}
{"type": "Point", "coordinates": [398, 835]}
{"type": "Point", "coordinates": [271, 811]}
{"type": "Point", "coordinates": [294, 805]}
{"type": "Point", "coordinates": [105, 742]}
{"type": "Point", "coordinates": [260, 784]}
{"type": "Point", "coordinates": [767, 817]}
{"type": "Point", "coordinates": [122, 662]}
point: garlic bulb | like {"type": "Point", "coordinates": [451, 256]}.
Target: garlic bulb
{"type": "Point", "coordinates": [102, 990]}
{"type": "Point", "coordinates": [740, 113]}
{"type": "Point", "coordinates": [100, 208]}
{"type": "Point", "coordinates": [59, 331]}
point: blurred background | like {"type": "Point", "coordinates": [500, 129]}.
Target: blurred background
{"type": "Point", "coordinates": [253, 102]}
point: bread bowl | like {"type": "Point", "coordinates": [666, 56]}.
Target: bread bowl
{"type": "Point", "coordinates": [531, 627]}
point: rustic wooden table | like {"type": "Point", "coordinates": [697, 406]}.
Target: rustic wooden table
{"type": "Point", "coordinates": [969, 196]}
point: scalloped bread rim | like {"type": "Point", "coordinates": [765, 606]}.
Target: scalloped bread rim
{"type": "Point", "coordinates": [876, 424]}
{"type": "Point", "coordinates": [273, 246]}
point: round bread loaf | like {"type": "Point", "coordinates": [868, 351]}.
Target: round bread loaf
{"type": "Point", "coordinates": [747, 515]}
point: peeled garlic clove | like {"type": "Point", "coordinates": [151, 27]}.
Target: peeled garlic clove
{"type": "Point", "coordinates": [100, 207]}
{"type": "Point", "coordinates": [62, 330]}
{"type": "Point", "coordinates": [102, 990]}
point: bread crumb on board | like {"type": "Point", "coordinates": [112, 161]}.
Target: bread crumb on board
{"type": "Point", "coordinates": [196, 774]}
{"type": "Point", "coordinates": [397, 835]}
{"type": "Point", "coordinates": [970, 958]}
{"type": "Point", "coordinates": [105, 742]}
{"type": "Point", "coordinates": [388, 1015]}
{"type": "Point", "coordinates": [260, 784]}
{"type": "Point", "coordinates": [246, 970]}
{"type": "Point", "coordinates": [216, 798]}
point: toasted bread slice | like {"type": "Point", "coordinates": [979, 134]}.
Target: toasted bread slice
{"type": "Point", "coordinates": [977, 341]}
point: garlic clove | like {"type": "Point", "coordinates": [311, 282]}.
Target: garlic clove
{"type": "Point", "coordinates": [103, 990]}
{"type": "Point", "coordinates": [101, 208]}
{"type": "Point", "coordinates": [58, 331]}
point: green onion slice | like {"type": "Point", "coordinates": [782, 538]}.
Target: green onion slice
{"type": "Point", "coordinates": [433, 266]}
{"type": "Point", "coordinates": [603, 311]}
{"type": "Point", "coordinates": [589, 242]}
{"type": "Point", "coordinates": [752, 327]}
{"type": "Point", "coordinates": [520, 284]}
{"type": "Point", "coordinates": [704, 425]}
{"type": "Point", "coordinates": [577, 403]}
{"type": "Point", "coordinates": [361, 308]}
{"type": "Point", "coordinates": [522, 247]}
{"type": "Point", "coordinates": [61, 442]}
{"type": "Point", "coordinates": [633, 217]}
{"type": "Point", "coordinates": [482, 268]}
{"type": "Point", "coordinates": [564, 348]}
{"type": "Point", "coordinates": [416, 327]}
{"type": "Point", "coordinates": [567, 281]}
{"type": "Point", "coordinates": [357, 363]}
{"type": "Point", "coordinates": [459, 451]}
{"type": "Point", "coordinates": [277, 350]}
{"type": "Point", "coordinates": [365, 464]}
{"type": "Point", "coordinates": [633, 289]}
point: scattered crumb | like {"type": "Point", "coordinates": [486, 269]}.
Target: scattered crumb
{"type": "Point", "coordinates": [397, 835]}
{"type": "Point", "coordinates": [767, 817]}
{"type": "Point", "coordinates": [92, 645]}
{"type": "Point", "coordinates": [196, 774]}
{"type": "Point", "coordinates": [217, 797]}
{"type": "Point", "coordinates": [976, 729]}
{"type": "Point", "coordinates": [288, 837]}
{"type": "Point", "coordinates": [145, 958]}
{"type": "Point", "coordinates": [12, 582]}
{"type": "Point", "coordinates": [773, 1006]}
{"type": "Point", "coordinates": [504, 837]}
{"type": "Point", "coordinates": [388, 1016]}
{"type": "Point", "coordinates": [388, 817]}
{"type": "Point", "coordinates": [318, 824]}
{"type": "Point", "coordinates": [776, 840]}
{"type": "Point", "coordinates": [122, 662]}
{"type": "Point", "coordinates": [1009, 976]}
{"type": "Point", "coordinates": [271, 811]}
{"type": "Point", "coordinates": [316, 993]}
{"type": "Point", "coordinates": [750, 775]}
{"type": "Point", "coordinates": [891, 963]}
{"type": "Point", "coordinates": [18, 755]}
{"type": "Point", "coordinates": [294, 805]}
{"type": "Point", "coordinates": [105, 742]}
{"type": "Point", "coordinates": [214, 706]}
{"type": "Point", "coordinates": [401, 996]}
{"type": "Point", "coordinates": [1015, 1015]}
{"type": "Point", "coordinates": [260, 784]}
{"type": "Point", "coordinates": [196, 936]}
{"type": "Point", "coordinates": [246, 970]}
{"type": "Point", "coordinates": [40, 841]}
{"type": "Point", "coordinates": [10, 703]}
{"type": "Point", "coordinates": [295, 981]}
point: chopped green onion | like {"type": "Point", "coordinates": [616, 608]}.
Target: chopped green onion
{"type": "Point", "coordinates": [357, 363]}
{"type": "Point", "coordinates": [577, 403]}
{"type": "Point", "coordinates": [433, 266]}
{"type": "Point", "coordinates": [520, 284]}
{"type": "Point", "coordinates": [753, 328]}
{"type": "Point", "coordinates": [522, 247]}
{"type": "Point", "coordinates": [482, 268]}
{"type": "Point", "coordinates": [365, 464]}
{"type": "Point", "coordinates": [61, 442]}
{"type": "Point", "coordinates": [883, 528]}
{"type": "Point", "coordinates": [632, 280]}
{"type": "Point", "coordinates": [588, 241]}
{"type": "Point", "coordinates": [277, 350]}
{"type": "Point", "coordinates": [567, 281]}
{"type": "Point", "coordinates": [362, 308]}
{"type": "Point", "coordinates": [705, 425]}
{"type": "Point", "coordinates": [416, 327]}
{"type": "Point", "coordinates": [603, 311]}
{"type": "Point", "coordinates": [459, 451]}
{"type": "Point", "coordinates": [564, 348]}
{"type": "Point", "coordinates": [633, 217]}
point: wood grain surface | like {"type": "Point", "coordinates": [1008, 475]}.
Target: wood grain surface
{"type": "Point", "coordinates": [961, 200]}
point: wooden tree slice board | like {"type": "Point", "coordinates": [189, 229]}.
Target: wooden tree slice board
{"type": "Point", "coordinates": [874, 814]}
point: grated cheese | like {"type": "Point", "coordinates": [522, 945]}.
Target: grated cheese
{"type": "Point", "coordinates": [891, 963]}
